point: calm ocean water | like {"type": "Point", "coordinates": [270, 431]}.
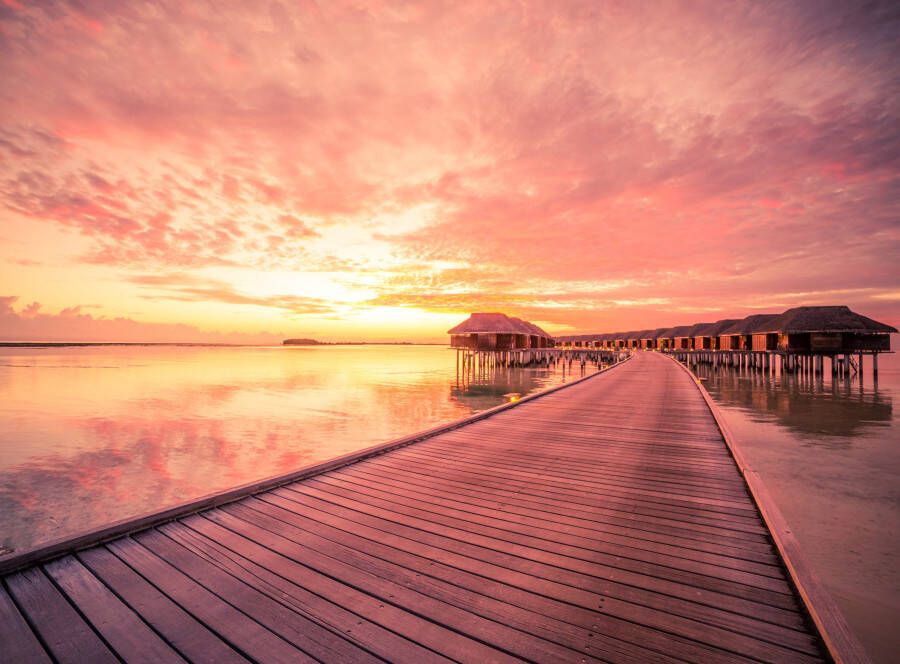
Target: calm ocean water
{"type": "Point", "coordinates": [96, 434]}
{"type": "Point", "coordinates": [830, 456]}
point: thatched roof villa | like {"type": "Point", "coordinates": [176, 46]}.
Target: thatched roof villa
{"type": "Point", "coordinates": [827, 329]}
{"type": "Point", "coordinates": [739, 336]}
{"type": "Point", "coordinates": [685, 339]}
{"type": "Point", "coordinates": [707, 338]}
{"type": "Point", "coordinates": [496, 331]}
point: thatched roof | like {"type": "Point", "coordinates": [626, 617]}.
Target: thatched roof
{"type": "Point", "coordinates": [495, 323]}
{"type": "Point", "coordinates": [799, 319]}
{"type": "Point", "coordinates": [755, 324]}
{"type": "Point", "coordinates": [487, 323]}
{"type": "Point", "coordinates": [827, 319]}
{"type": "Point", "coordinates": [680, 331]}
{"type": "Point", "coordinates": [715, 329]}
{"type": "Point", "coordinates": [695, 330]}
{"type": "Point", "coordinates": [531, 327]}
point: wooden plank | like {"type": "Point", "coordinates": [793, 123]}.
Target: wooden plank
{"type": "Point", "coordinates": [662, 564]}
{"type": "Point", "coordinates": [307, 633]}
{"type": "Point", "coordinates": [292, 590]}
{"type": "Point", "coordinates": [681, 541]}
{"type": "Point", "coordinates": [599, 565]}
{"type": "Point", "coordinates": [186, 634]}
{"type": "Point", "coordinates": [671, 502]}
{"type": "Point", "coordinates": [20, 644]}
{"type": "Point", "coordinates": [242, 632]}
{"type": "Point", "coordinates": [566, 457]}
{"type": "Point", "coordinates": [744, 529]}
{"type": "Point", "coordinates": [357, 569]}
{"type": "Point", "coordinates": [647, 505]}
{"type": "Point", "coordinates": [556, 622]}
{"type": "Point", "coordinates": [627, 475]}
{"type": "Point", "coordinates": [121, 628]}
{"type": "Point", "coordinates": [388, 614]}
{"type": "Point", "coordinates": [67, 636]}
{"type": "Point", "coordinates": [639, 589]}
{"type": "Point", "coordinates": [716, 505]}
{"type": "Point", "coordinates": [559, 531]}
{"type": "Point", "coordinates": [577, 606]}
{"type": "Point", "coordinates": [523, 504]}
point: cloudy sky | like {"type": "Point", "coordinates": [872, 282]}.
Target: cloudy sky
{"type": "Point", "coordinates": [362, 170]}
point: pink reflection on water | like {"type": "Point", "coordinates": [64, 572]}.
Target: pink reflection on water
{"type": "Point", "coordinates": [93, 435]}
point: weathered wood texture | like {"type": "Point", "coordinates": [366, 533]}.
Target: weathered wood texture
{"type": "Point", "coordinates": [603, 522]}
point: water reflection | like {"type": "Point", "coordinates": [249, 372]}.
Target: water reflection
{"type": "Point", "coordinates": [508, 384]}
{"type": "Point", "coordinates": [812, 407]}
{"type": "Point", "coordinates": [93, 435]}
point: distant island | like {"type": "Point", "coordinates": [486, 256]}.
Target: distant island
{"type": "Point", "coordinates": [301, 342]}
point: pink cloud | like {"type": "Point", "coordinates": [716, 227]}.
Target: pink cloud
{"type": "Point", "coordinates": [702, 155]}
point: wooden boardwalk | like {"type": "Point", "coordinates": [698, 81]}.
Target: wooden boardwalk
{"type": "Point", "coordinates": [606, 521]}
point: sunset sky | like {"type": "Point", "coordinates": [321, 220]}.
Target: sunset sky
{"type": "Point", "coordinates": [360, 170]}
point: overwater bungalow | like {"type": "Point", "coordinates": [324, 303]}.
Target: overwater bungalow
{"type": "Point", "coordinates": [663, 340]}
{"type": "Point", "coordinates": [827, 330]}
{"type": "Point", "coordinates": [537, 338]}
{"type": "Point", "coordinates": [798, 338]}
{"type": "Point", "coordinates": [740, 335]}
{"type": "Point", "coordinates": [649, 338]}
{"type": "Point", "coordinates": [685, 339]}
{"type": "Point", "coordinates": [676, 337]}
{"type": "Point", "coordinates": [707, 338]}
{"type": "Point", "coordinates": [495, 331]}
{"type": "Point", "coordinates": [636, 339]}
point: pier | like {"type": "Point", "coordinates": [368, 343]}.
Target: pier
{"type": "Point", "coordinates": [609, 519]}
